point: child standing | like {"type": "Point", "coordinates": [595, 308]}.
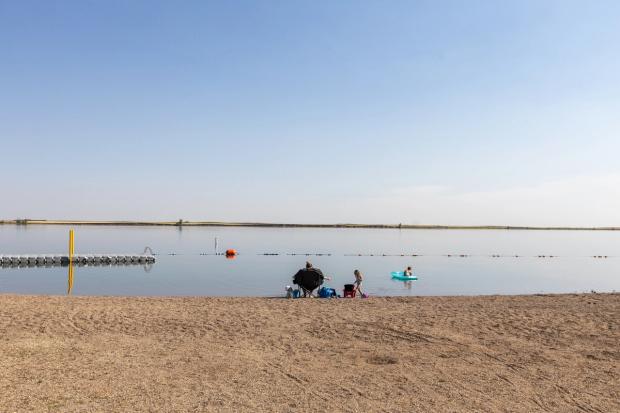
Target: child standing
{"type": "Point", "coordinates": [358, 282]}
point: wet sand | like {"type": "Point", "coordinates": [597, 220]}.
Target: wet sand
{"type": "Point", "coordinates": [556, 353]}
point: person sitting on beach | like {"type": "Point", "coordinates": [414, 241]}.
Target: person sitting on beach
{"type": "Point", "coordinates": [308, 279]}
{"type": "Point", "coordinates": [408, 272]}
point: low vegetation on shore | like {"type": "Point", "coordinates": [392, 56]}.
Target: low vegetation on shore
{"type": "Point", "coordinates": [184, 223]}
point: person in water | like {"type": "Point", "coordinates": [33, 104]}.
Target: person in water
{"type": "Point", "coordinates": [408, 272]}
{"type": "Point", "coordinates": [358, 282]}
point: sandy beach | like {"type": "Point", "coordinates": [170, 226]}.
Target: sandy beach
{"type": "Point", "coordinates": [556, 353]}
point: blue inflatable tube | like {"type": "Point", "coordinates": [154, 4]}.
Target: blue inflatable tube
{"type": "Point", "coordinates": [400, 275]}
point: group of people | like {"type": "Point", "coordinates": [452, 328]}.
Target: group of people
{"type": "Point", "coordinates": [310, 278]}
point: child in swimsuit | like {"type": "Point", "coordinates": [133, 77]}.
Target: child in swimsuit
{"type": "Point", "coordinates": [358, 282]}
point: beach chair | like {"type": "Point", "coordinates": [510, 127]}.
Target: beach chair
{"type": "Point", "coordinates": [308, 279]}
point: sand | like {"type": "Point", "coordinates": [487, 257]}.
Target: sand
{"type": "Point", "coordinates": [556, 353]}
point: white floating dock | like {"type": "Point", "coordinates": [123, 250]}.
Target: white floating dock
{"type": "Point", "coordinates": [54, 260]}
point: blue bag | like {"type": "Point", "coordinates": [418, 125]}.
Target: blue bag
{"type": "Point", "coordinates": [325, 292]}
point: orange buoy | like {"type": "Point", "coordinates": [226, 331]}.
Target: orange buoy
{"type": "Point", "coordinates": [231, 253]}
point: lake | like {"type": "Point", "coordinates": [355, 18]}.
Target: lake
{"type": "Point", "coordinates": [493, 261]}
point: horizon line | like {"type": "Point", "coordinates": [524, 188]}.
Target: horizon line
{"type": "Point", "coordinates": [183, 223]}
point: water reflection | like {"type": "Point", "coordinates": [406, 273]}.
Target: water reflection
{"type": "Point", "coordinates": [147, 267]}
{"type": "Point", "coordinates": [70, 278]}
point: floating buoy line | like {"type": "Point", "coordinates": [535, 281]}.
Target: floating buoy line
{"type": "Point", "coordinates": [456, 255]}
{"type": "Point", "coordinates": [54, 260]}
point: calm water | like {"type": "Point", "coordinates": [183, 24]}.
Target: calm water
{"type": "Point", "coordinates": [251, 274]}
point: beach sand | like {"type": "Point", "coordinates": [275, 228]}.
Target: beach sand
{"type": "Point", "coordinates": [556, 353]}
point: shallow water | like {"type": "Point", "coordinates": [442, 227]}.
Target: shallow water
{"type": "Point", "coordinates": [572, 268]}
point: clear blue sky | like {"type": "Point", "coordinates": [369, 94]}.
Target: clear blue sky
{"type": "Point", "coordinates": [365, 111]}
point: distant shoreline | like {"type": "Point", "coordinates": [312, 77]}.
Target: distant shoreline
{"type": "Point", "coordinates": [182, 223]}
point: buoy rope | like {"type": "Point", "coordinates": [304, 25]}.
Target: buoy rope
{"type": "Point", "coordinates": [454, 255]}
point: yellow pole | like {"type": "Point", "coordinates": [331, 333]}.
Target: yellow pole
{"type": "Point", "coordinates": [71, 252]}
{"type": "Point", "coordinates": [71, 245]}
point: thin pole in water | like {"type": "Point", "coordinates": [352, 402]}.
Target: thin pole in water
{"type": "Point", "coordinates": [71, 245]}
{"type": "Point", "coordinates": [71, 252]}
{"type": "Point", "coordinates": [216, 245]}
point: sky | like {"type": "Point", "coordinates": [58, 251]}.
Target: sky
{"type": "Point", "coordinates": [413, 112]}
